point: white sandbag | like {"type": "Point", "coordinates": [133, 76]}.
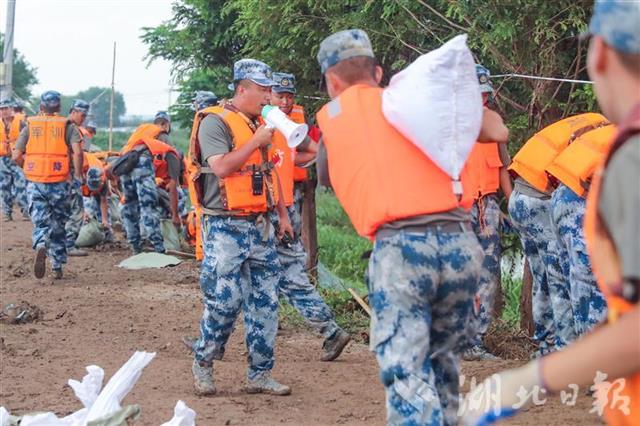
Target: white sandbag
{"type": "Point", "coordinates": [90, 235]}
{"type": "Point", "coordinates": [436, 103]}
{"type": "Point", "coordinates": [4, 417]}
{"type": "Point", "coordinates": [182, 416]}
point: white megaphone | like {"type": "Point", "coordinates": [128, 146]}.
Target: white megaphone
{"type": "Point", "coordinates": [293, 132]}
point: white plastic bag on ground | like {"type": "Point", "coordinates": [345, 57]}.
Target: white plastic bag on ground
{"type": "Point", "coordinates": [182, 416]}
{"type": "Point", "coordinates": [120, 384]}
{"type": "Point", "coordinates": [88, 390]}
{"type": "Point", "coordinates": [436, 103]}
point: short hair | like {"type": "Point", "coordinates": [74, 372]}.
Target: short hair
{"type": "Point", "coordinates": [238, 83]}
{"type": "Point", "coordinates": [160, 121]}
{"type": "Point", "coordinates": [355, 69]}
{"type": "Point", "coordinates": [630, 61]}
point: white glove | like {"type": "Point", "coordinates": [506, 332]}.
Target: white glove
{"type": "Point", "coordinates": [503, 394]}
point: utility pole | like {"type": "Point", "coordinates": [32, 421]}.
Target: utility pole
{"type": "Point", "coordinates": [7, 60]}
{"type": "Point", "coordinates": [113, 73]}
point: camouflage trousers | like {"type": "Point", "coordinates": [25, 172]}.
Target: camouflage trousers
{"type": "Point", "coordinates": [421, 289]}
{"type": "Point", "coordinates": [92, 207]}
{"type": "Point", "coordinates": [589, 305]}
{"type": "Point", "coordinates": [76, 216]}
{"type": "Point", "coordinates": [49, 209]}
{"type": "Point", "coordinates": [12, 186]}
{"type": "Point", "coordinates": [294, 285]}
{"type": "Point", "coordinates": [239, 270]}
{"type": "Point", "coordinates": [141, 203]}
{"type": "Point", "coordinates": [485, 215]}
{"type": "Point", "coordinates": [552, 313]}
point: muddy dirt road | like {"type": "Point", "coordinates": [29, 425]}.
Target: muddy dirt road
{"type": "Point", "coordinates": [100, 314]}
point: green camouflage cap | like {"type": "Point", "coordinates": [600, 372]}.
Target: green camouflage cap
{"type": "Point", "coordinates": [343, 45]}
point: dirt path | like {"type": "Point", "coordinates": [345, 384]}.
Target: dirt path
{"type": "Point", "coordinates": [100, 314]}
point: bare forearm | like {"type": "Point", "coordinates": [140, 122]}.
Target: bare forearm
{"type": "Point", "coordinates": [231, 162]}
{"type": "Point", "coordinates": [613, 349]}
{"type": "Point", "coordinates": [77, 160]}
{"type": "Point", "coordinates": [303, 158]}
{"type": "Point", "coordinates": [173, 197]}
{"type": "Point", "coordinates": [18, 157]}
{"type": "Point", "coordinates": [104, 210]}
{"type": "Point", "coordinates": [505, 182]}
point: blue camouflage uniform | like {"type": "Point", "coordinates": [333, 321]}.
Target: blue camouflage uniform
{"type": "Point", "coordinates": [240, 268]}
{"type": "Point", "coordinates": [485, 215]}
{"type": "Point", "coordinates": [294, 284]}
{"type": "Point", "coordinates": [552, 313]}
{"type": "Point", "coordinates": [12, 186]}
{"type": "Point", "coordinates": [589, 305]}
{"type": "Point", "coordinates": [76, 214]}
{"type": "Point", "coordinates": [421, 289]}
{"type": "Point", "coordinates": [49, 202]}
{"type": "Point", "coordinates": [141, 205]}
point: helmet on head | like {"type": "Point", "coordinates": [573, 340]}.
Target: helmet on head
{"type": "Point", "coordinates": [50, 100]}
{"type": "Point", "coordinates": [80, 105]}
{"type": "Point", "coordinates": [484, 79]}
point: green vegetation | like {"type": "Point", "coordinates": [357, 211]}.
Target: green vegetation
{"type": "Point", "coordinates": [511, 289]}
{"type": "Point", "coordinates": [536, 37]}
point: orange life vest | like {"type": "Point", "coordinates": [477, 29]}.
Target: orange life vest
{"type": "Point", "coordinates": [606, 267]}
{"type": "Point", "coordinates": [575, 165]}
{"type": "Point", "coordinates": [285, 156]}
{"type": "Point", "coordinates": [90, 160]}
{"type": "Point", "coordinates": [8, 136]}
{"type": "Point", "coordinates": [194, 233]}
{"type": "Point", "coordinates": [539, 151]}
{"type": "Point", "coordinates": [159, 151]}
{"type": "Point", "coordinates": [236, 189]}
{"type": "Point", "coordinates": [20, 116]}
{"type": "Point", "coordinates": [47, 153]}
{"type": "Point", "coordinates": [378, 175]}
{"type": "Point", "coordinates": [484, 165]}
{"type": "Point", "coordinates": [145, 130]}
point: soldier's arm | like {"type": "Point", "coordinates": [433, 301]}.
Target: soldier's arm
{"type": "Point", "coordinates": [226, 164]}
{"type": "Point", "coordinates": [173, 166]}
{"type": "Point", "coordinates": [20, 147]}
{"type": "Point", "coordinates": [505, 178]}
{"type": "Point", "coordinates": [493, 128]}
{"type": "Point", "coordinates": [306, 152]}
{"type": "Point", "coordinates": [104, 210]}
{"type": "Point", "coordinates": [322, 166]}
{"type": "Point", "coordinates": [283, 214]}
{"type": "Point", "coordinates": [75, 140]}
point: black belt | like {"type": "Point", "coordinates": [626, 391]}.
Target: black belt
{"type": "Point", "coordinates": [446, 227]}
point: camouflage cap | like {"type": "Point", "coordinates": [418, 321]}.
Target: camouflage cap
{"type": "Point", "coordinates": [162, 115]}
{"type": "Point", "coordinates": [80, 105]}
{"type": "Point", "coordinates": [6, 103]}
{"type": "Point", "coordinates": [254, 70]}
{"type": "Point", "coordinates": [203, 99]}
{"type": "Point", "coordinates": [284, 82]}
{"type": "Point", "coordinates": [94, 179]}
{"type": "Point", "coordinates": [618, 23]}
{"type": "Point", "coordinates": [343, 45]}
{"type": "Point", "coordinates": [484, 78]}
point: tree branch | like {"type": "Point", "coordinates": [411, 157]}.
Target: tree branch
{"type": "Point", "coordinates": [444, 18]}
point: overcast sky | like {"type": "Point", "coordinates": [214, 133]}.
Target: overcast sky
{"type": "Point", "coordinates": [70, 42]}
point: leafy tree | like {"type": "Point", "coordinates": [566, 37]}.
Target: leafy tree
{"type": "Point", "coordinates": [24, 74]}
{"type": "Point", "coordinates": [534, 37]}
{"type": "Point", "coordinates": [100, 98]}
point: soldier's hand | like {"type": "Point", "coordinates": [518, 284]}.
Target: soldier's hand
{"type": "Point", "coordinates": [501, 395]}
{"type": "Point", "coordinates": [262, 136]}
{"type": "Point", "coordinates": [285, 228]}
{"type": "Point", "coordinates": [177, 222]}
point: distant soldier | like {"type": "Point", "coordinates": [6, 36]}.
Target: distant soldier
{"type": "Point", "coordinates": [50, 150]}
{"type": "Point", "coordinates": [12, 181]}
